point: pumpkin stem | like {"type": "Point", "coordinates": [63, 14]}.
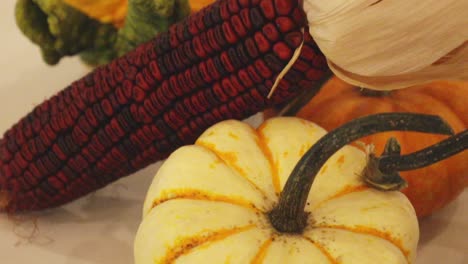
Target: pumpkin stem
{"type": "Point", "coordinates": [373, 93]}
{"type": "Point", "coordinates": [289, 215]}
{"type": "Point", "coordinates": [388, 180]}
{"type": "Point", "coordinates": [425, 157]}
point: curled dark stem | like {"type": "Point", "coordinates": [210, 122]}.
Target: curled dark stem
{"type": "Point", "coordinates": [289, 215]}
{"type": "Point", "coordinates": [427, 156]}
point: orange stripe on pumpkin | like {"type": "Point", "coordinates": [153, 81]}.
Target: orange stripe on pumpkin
{"type": "Point", "coordinates": [373, 232]}
{"type": "Point", "coordinates": [194, 194]}
{"type": "Point", "coordinates": [262, 144]}
{"type": "Point", "coordinates": [186, 245]}
{"type": "Point", "coordinates": [344, 191]}
{"type": "Point", "coordinates": [230, 158]}
{"type": "Point", "coordinates": [261, 254]}
{"type": "Point", "coordinates": [323, 250]}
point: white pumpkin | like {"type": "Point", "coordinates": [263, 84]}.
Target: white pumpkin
{"type": "Point", "coordinates": [209, 203]}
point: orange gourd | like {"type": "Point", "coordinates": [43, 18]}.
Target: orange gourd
{"type": "Point", "coordinates": [429, 188]}
{"type": "Point", "coordinates": [109, 11]}
{"type": "Point", "coordinates": [114, 11]}
{"type": "Point", "coordinates": [196, 5]}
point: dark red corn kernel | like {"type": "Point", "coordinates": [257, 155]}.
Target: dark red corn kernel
{"type": "Point", "coordinates": [282, 50]}
{"type": "Point", "coordinates": [293, 39]}
{"type": "Point", "coordinates": [25, 152]}
{"type": "Point", "coordinates": [285, 24]}
{"type": "Point", "coordinates": [254, 75]}
{"type": "Point", "coordinates": [107, 107]}
{"type": "Point", "coordinates": [313, 74]}
{"type": "Point", "coordinates": [40, 146]}
{"type": "Point", "coordinates": [88, 155]}
{"type": "Point", "coordinates": [256, 18]}
{"type": "Point", "coordinates": [226, 61]}
{"type": "Point", "coordinates": [173, 40]}
{"type": "Point", "coordinates": [195, 76]}
{"type": "Point", "coordinates": [111, 133]}
{"type": "Point", "coordinates": [188, 105]}
{"type": "Point", "coordinates": [219, 92]}
{"type": "Point", "coordinates": [298, 16]}
{"type": "Point", "coordinates": [244, 3]}
{"type": "Point", "coordinates": [138, 94]}
{"type": "Point", "coordinates": [284, 7]}
{"type": "Point", "coordinates": [177, 61]}
{"type": "Point", "coordinates": [273, 62]}
{"type": "Point", "coordinates": [211, 39]}
{"type": "Point", "coordinates": [184, 84]}
{"type": "Point", "coordinates": [98, 113]}
{"type": "Point", "coordinates": [141, 81]}
{"type": "Point", "coordinates": [238, 26]}
{"type": "Point", "coordinates": [251, 47]}
{"type": "Point", "coordinates": [245, 18]}
{"type": "Point", "coordinates": [229, 33]}
{"type": "Point", "coordinates": [264, 71]}
{"type": "Point", "coordinates": [219, 35]}
{"type": "Point", "coordinates": [19, 137]}
{"type": "Point", "coordinates": [235, 60]}
{"type": "Point", "coordinates": [224, 10]}
{"type": "Point", "coordinates": [21, 162]}
{"type": "Point", "coordinates": [169, 63]}
{"type": "Point", "coordinates": [245, 78]}
{"type": "Point", "coordinates": [144, 116]}
{"type": "Point", "coordinates": [155, 71]}
{"type": "Point", "coordinates": [162, 67]}
{"type": "Point", "coordinates": [233, 7]}
{"type": "Point", "coordinates": [78, 136]}
{"type": "Point", "coordinates": [242, 54]}
{"type": "Point", "coordinates": [268, 9]}
{"type": "Point", "coordinates": [262, 42]}
{"type": "Point", "coordinates": [294, 75]}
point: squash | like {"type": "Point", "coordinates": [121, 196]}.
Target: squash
{"type": "Point", "coordinates": [106, 11]}
{"type": "Point", "coordinates": [339, 102]}
{"type": "Point", "coordinates": [196, 5]}
{"type": "Point", "coordinates": [216, 201]}
{"type": "Point", "coordinates": [98, 31]}
{"type": "Point", "coordinates": [114, 11]}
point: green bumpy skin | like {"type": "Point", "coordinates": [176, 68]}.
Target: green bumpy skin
{"type": "Point", "coordinates": [147, 18]}
{"type": "Point", "coordinates": [60, 30]}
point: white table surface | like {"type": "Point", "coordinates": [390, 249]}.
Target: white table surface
{"type": "Point", "coordinates": [100, 228]}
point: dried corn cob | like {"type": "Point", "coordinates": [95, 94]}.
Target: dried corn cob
{"type": "Point", "coordinates": [218, 64]}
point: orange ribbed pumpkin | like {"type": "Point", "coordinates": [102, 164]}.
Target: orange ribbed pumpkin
{"type": "Point", "coordinates": [429, 188]}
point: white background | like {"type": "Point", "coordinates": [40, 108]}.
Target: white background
{"type": "Point", "coordinates": [100, 228]}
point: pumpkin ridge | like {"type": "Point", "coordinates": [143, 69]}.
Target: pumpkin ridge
{"type": "Point", "coordinates": [450, 110]}
{"type": "Point", "coordinates": [269, 156]}
{"type": "Point", "coordinates": [185, 245]}
{"type": "Point", "coordinates": [193, 194]}
{"type": "Point", "coordinates": [229, 159]}
{"type": "Point", "coordinates": [373, 232]}
{"type": "Point", "coordinates": [435, 90]}
{"type": "Point", "coordinates": [322, 249]}
{"type": "Point", "coordinates": [344, 191]}
{"type": "Point", "coordinates": [261, 254]}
